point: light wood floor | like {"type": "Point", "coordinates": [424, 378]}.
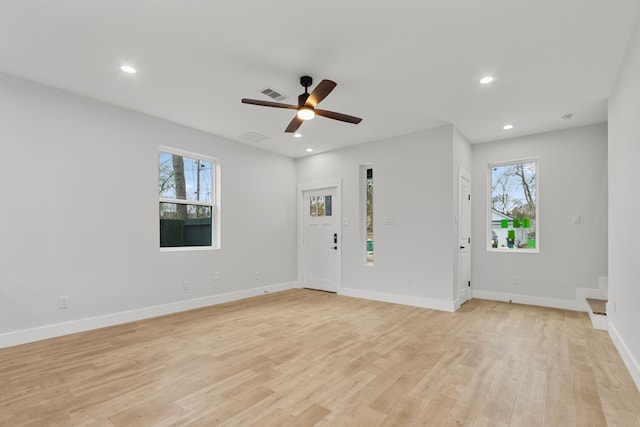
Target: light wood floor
{"type": "Point", "coordinates": [302, 358]}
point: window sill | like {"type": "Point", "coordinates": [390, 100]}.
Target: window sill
{"type": "Point", "coordinates": [513, 251]}
{"type": "Point", "coordinates": [188, 249]}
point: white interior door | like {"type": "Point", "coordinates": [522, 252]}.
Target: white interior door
{"type": "Point", "coordinates": [464, 239]}
{"type": "Point", "coordinates": [320, 239]}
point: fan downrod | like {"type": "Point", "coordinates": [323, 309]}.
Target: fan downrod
{"type": "Point", "coordinates": [305, 81]}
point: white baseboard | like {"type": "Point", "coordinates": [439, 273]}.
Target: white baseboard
{"type": "Point", "coordinates": [434, 304]}
{"type": "Point", "coordinates": [566, 304]}
{"type": "Point", "coordinates": [583, 293]}
{"type": "Point", "coordinates": [632, 364]}
{"type": "Point", "coordinates": [23, 336]}
{"type": "Point", "coordinates": [602, 292]}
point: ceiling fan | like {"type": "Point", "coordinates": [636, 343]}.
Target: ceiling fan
{"type": "Point", "coordinates": [307, 103]}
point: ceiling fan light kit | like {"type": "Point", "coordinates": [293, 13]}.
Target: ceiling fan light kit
{"type": "Point", "coordinates": [305, 113]}
{"type": "Point", "coordinates": [307, 102]}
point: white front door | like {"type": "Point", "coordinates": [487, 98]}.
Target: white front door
{"type": "Point", "coordinates": [320, 239]}
{"type": "Point", "coordinates": [464, 240]}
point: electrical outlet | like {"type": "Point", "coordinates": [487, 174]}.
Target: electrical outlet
{"type": "Point", "coordinates": [186, 285]}
{"type": "Point", "coordinates": [257, 275]}
{"type": "Point", "coordinates": [216, 276]}
{"type": "Point", "coordinates": [515, 281]}
{"type": "Point", "coordinates": [63, 302]}
{"type": "Point", "coordinates": [409, 282]}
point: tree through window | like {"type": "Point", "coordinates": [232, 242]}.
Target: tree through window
{"type": "Point", "coordinates": [514, 209]}
{"type": "Point", "coordinates": [186, 193]}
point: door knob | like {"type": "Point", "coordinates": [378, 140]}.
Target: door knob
{"type": "Point", "coordinates": [334, 247]}
{"type": "Point", "coordinates": [461, 247]}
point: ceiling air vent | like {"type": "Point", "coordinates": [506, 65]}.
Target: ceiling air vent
{"type": "Point", "coordinates": [272, 93]}
{"type": "Point", "coordinates": [254, 137]}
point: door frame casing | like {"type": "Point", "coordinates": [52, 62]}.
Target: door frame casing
{"type": "Point", "coordinates": [337, 211]}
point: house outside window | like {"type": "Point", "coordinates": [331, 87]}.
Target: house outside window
{"type": "Point", "coordinates": [513, 208]}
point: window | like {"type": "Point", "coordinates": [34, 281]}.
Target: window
{"type": "Point", "coordinates": [320, 205]}
{"type": "Point", "coordinates": [187, 199]}
{"type": "Point", "coordinates": [513, 216]}
{"type": "Point", "coordinates": [367, 210]}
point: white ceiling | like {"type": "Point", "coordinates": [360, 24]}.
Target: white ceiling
{"type": "Point", "coordinates": [402, 65]}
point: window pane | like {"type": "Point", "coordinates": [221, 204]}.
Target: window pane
{"type": "Point", "coordinates": [513, 206]}
{"type": "Point", "coordinates": [320, 205]}
{"type": "Point", "coordinates": [185, 225]}
{"type": "Point", "coordinates": [313, 206]}
{"type": "Point", "coordinates": [184, 178]}
{"type": "Point", "coordinates": [327, 205]}
{"type": "Point", "coordinates": [369, 214]}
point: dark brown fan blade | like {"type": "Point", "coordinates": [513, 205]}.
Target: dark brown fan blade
{"type": "Point", "coordinates": [320, 92]}
{"type": "Point", "coordinates": [268, 104]}
{"type": "Point", "coordinates": [294, 124]}
{"type": "Point", "coordinates": [338, 116]}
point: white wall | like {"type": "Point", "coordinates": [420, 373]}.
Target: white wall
{"type": "Point", "coordinates": [79, 216]}
{"type": "Point", "coordinates": [624, 206]}
{"type": "Point", "coordinates": [413, 184]}
{"type": "Point", "coordinates": [572, 180]}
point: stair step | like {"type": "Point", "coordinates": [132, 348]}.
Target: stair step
{"type": "Point", "coordinates": [598, 313]}
{"type": "Point", "coordinates": [598, 306]}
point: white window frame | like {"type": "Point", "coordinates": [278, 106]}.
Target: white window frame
{"type": "Point", "coordinates": [214, 203]}
{"type": "Point", "coordinates": [488, 221]}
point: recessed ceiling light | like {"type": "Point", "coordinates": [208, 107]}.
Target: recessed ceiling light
{"type": "Point", "coordinates": [128, 69]}
{"type": "Point", "coordinates": [486, 80]}
{"type": "Point", "coordinates": [309, 150]}
{"type": "Point", "coordinates": [297, 135]}
{"type": "Point", "coordinates": [507, 127]}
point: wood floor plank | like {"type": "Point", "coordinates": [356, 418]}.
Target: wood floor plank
{"type": "Point", "coordinates": [304, 358]}
{"type": "Point", "coordinates": [312, 415]}
{"type": "Point", "coordinates": [474, 396]}
{"type": "Point", "coordinates": [528, 409]}
{"type": "Point", "coordinates": [586, 396]}
{"type": "Point", "coordinates": [559, 408]}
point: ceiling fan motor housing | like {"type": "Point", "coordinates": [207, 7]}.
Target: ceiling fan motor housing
{"type": "Point", "coordinates": [306, 81]}
{"type": "Point", "coordinates": [302, 98]}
